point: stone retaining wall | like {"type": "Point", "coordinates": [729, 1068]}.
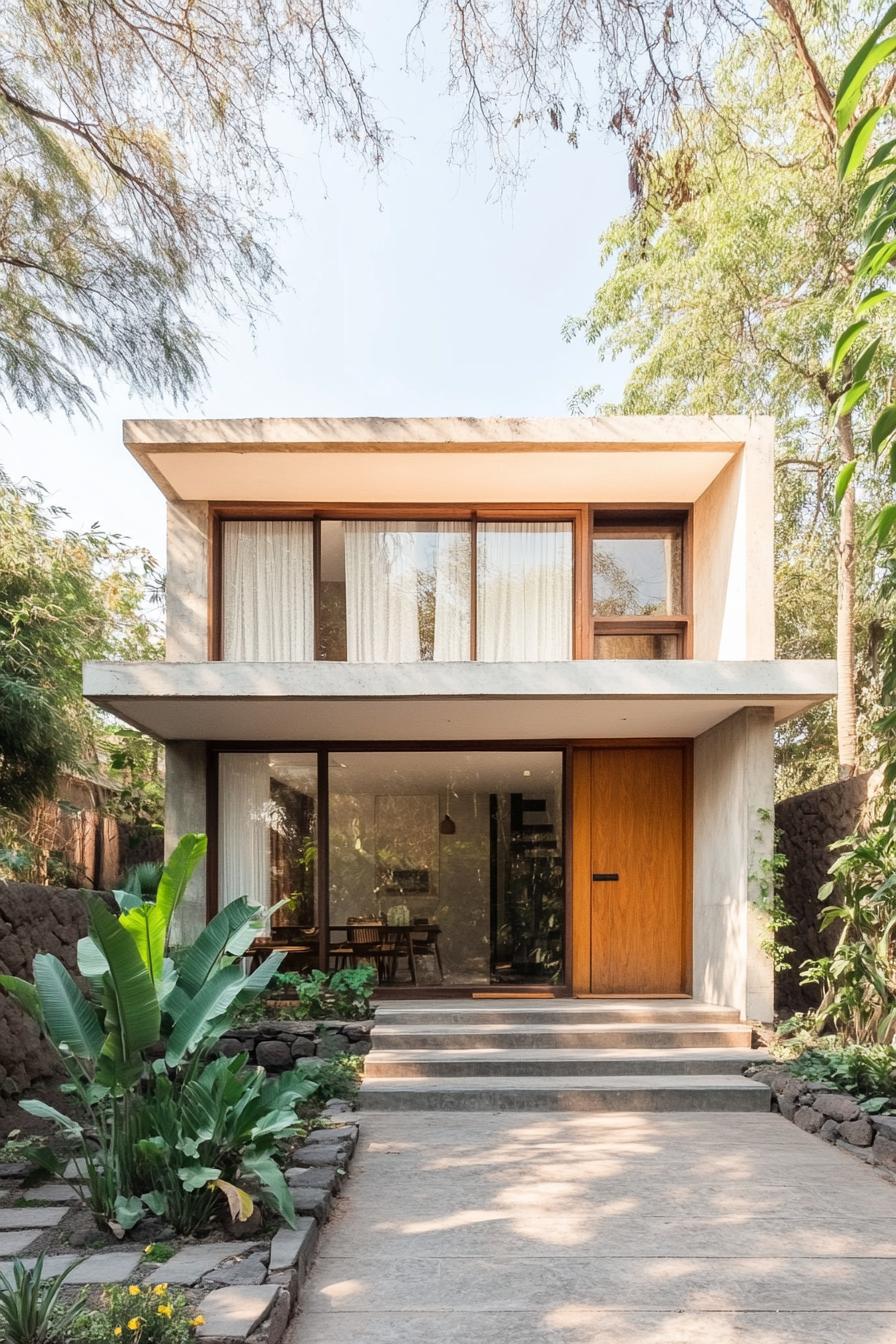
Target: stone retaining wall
{"type": "Point", "coordinates": [835, 1116]}
{"type": "Point", "coordinates": [807, 825]}
{"type": "Point", "coordinates": [277, 1045]}
{"type": "Point", "coordinates": [32, 919]}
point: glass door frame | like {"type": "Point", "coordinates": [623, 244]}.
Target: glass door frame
{"type": "Point", "coordinates": [322, 750]}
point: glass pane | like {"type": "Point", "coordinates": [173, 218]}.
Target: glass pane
{"type": "Point", "coordinates": [267, 591]}
{"type": "Point", "coordinates": [524, 592]}
{"type": "Point", "coordinates": [267, 842]}
{"type": "Point", "coordinates": [636, 570]}
{"type": "Point", "coordinates": [453, 859]}
{"type": "Point", "coordinates": [637, 646]}
{"type": "Point", "coordinates": [395, 592]}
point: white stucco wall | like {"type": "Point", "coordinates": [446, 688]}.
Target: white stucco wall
{"type": "Point", "coordinates": [184, 812]}
{"type": "Point", "coordinates": [186, 584]}
{"type": "Point", "coordinates": [733, 555]}
{"type": "Point", "coordinates": [733, 839]}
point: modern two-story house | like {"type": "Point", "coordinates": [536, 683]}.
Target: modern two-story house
{"type": "Point", "coordinates": [509, 684]}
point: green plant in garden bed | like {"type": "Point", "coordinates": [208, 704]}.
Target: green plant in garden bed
{"type": "Point", "coordinates": [866, 1072]}
{"type": "Point", "coordinates": [135, 1052]}
{"type": "Point", "coordinates": [341, 995]}
{"type": "Point", "coordinates": [336, 1077]}
{"type": "Point", "coordinates": [30, 1308]}
{"type": "Point", "coordinates": [138, 1314]}
{"type": "Point", "coordinates": [859, 977]}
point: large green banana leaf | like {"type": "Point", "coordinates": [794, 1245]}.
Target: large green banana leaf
{"type": "Point", "coordinates": [68, 1018]}
{"type": "Point", "coordinates": [25, 995]}
{"type": "Point", "coordinates": [133, 1017]}
{"type": "Point", "coordinates": [263, 1166]}
{"type": "Point", "coordinates": [148, 927]}
{"type": "Point", "coordinates": [200, 959]}
{"type": "Point", "coordinates": [201, 1012]}
{"type": "Point", "coordinates": [190, 849]}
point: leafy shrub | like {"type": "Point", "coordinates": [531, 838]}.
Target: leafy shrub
{"type": "Point", "coordinates": [867, 1072]}
{"type": "Point", "coordinates": [343, 995]}
{"type": "Point", "coordinates": [859, 977]}
{"type": "Point", "coordinates": [137, 1314]}
{"type": "Point", "coordinates": [135, 1051]}
{"type": "Point", "coordinates": [30, 1309]}
{"type": "Point", "coordinates": [336, 1077]}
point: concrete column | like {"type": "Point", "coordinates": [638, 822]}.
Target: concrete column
{"type": "Point", "coordinates": [733, 842]}
{"type": "Point", "coordinates": [184, 812]}
{"type": "Point", "coordinates": [186, 584]}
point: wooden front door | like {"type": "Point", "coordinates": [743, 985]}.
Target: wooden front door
{"type": "Point", "coordinates": [631, 906]}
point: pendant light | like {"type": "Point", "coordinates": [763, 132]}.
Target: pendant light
{"type": "Point", "coordinates": [447, 825]}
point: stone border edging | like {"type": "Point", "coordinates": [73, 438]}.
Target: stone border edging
{"type": "Point", "coordinates": [276, 1045]}
{"type": "Point", "coordinates": [819, 1108]}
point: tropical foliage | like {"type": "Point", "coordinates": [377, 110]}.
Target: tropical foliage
{"type": "Point", "coordinates": [866, 1072]}
{"type": "Point", "coordinates": [157, 1127]}
{"type": "Point", "coordinates": [858, 979]}
{"type": "Point", "coordinates": [344, 994]}
{"type": "Point", "coordinates": [31, 1311]}
{"type": "Point", "coordinates": [726, 285]}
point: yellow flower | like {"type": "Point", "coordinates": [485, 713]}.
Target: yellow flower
{"type": "Point", "coordinates": [135, 1322]}
{"type": "Point", "coordinates": [160, 1289]}
{"type": "Point", "coordinates": [134, 1289]}
{"type": "Point", "coordinates": [164, 1310]}
{"type": "Point", "coordinates": [148, 1250]}
{"type": "Point", "coordinates": [117, 1331]}
{"type": "Point", "coordinates": [197, 1320]}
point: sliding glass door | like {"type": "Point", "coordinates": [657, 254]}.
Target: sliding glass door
{"type": "Point", "coordinates": [442, 867]}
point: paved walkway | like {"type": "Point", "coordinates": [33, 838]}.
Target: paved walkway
{"type": "Point", "coordinates": [603, 1229]}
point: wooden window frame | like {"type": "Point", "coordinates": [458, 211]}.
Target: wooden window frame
{"type": "Point", "coordinates": [579, 515]}
{"type": "Point", "coordinates": [677, 515]}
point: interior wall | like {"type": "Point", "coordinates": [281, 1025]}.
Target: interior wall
{"type": "Point", "coordinates": [403, 830]}
{"type": "Point", "coordinates": [733, 841]}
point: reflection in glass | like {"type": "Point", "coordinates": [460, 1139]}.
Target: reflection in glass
{"type": "Point", "coordinates": [396, 592]}
{"type": "Point", "coordinates": [637, 570]}
{"type": "Point", "coordinates": [267, 832]}
{"type": "Point", "coordinates": [637, 646]}
{"type": "Point", "coordinates": [488, 894]}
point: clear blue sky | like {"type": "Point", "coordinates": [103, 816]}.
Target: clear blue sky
{"type": "Point", "coordinates": [420, 293]}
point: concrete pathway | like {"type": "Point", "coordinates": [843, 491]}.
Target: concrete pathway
{"type": "Point", "coordinates": [602, 1229]}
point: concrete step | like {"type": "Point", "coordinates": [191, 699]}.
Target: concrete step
{"type": "Point", "coordinates": [560, 1063]}
{"type": "Point", "coordinates": [479, 1012]}
{"type": "Point", "coordinates": [569, 1036]}
{"type": "Point", "coordinates": [659, 1092]}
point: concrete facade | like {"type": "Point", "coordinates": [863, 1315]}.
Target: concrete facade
{"type": "Point", "coordinates": [726, 698]}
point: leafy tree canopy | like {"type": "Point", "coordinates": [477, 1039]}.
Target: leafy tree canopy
{"type": "Point", "coordinates": [726, 287]}
{"type": "Point", "coordinates": [65, 597]}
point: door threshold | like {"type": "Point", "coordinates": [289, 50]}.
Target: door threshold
{"type": "Point", "coordinates": [639, 994]}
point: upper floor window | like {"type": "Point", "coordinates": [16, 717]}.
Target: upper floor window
{"type": "Point", "coordinates": [397, 591]}
{"type": "Point", "coordinates": [638, 588]}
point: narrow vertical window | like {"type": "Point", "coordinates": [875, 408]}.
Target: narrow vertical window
{"type": "Point", "coordinates": [267, 592]}
{"type": "Point", "coordinates": [524, 592]}
{"type": "Point", "coordinates": [638, 588]}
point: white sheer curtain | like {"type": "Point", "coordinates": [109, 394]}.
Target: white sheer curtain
{"type": "Point", "coordinates": [524, 592]}
{"type": "Point", "coordinates": [451, 638]}
{"type": "Point", "coordinates": [268, 592]}
{"type": "Point", "coordinates": [244, 839]}
{"type": "Point", "coordinates": [382, 624]}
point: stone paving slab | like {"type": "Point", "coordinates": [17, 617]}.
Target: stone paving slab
{"type": "Point", "coordinates": [575, 1326]}
{"type": "Point", "coordinates": [290, 1246]}
{"type": "Point", "coordinates": [51, 1192]}
{"type": "Point", "coordinates": [103, 1267]}
{"type": "Point", "coordinates": [233, 1313]}
{"type": "Point", "coordinates": [10, 1219]}
{"type": "Point", "coordinates": [17, 1240]}
{"type": "Point", "coordinates": [515, 1228]}
{"type": "Point", "coordinates": [189, 1264]}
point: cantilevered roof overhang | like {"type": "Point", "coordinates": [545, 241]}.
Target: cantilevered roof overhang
{"type": "Point", "coordinates": [445, 702]}
{"type": "Point", "coordinates": [441, 459]}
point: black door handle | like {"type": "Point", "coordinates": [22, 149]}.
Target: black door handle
{"type": "Point", "coordinates": [604, 877]}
